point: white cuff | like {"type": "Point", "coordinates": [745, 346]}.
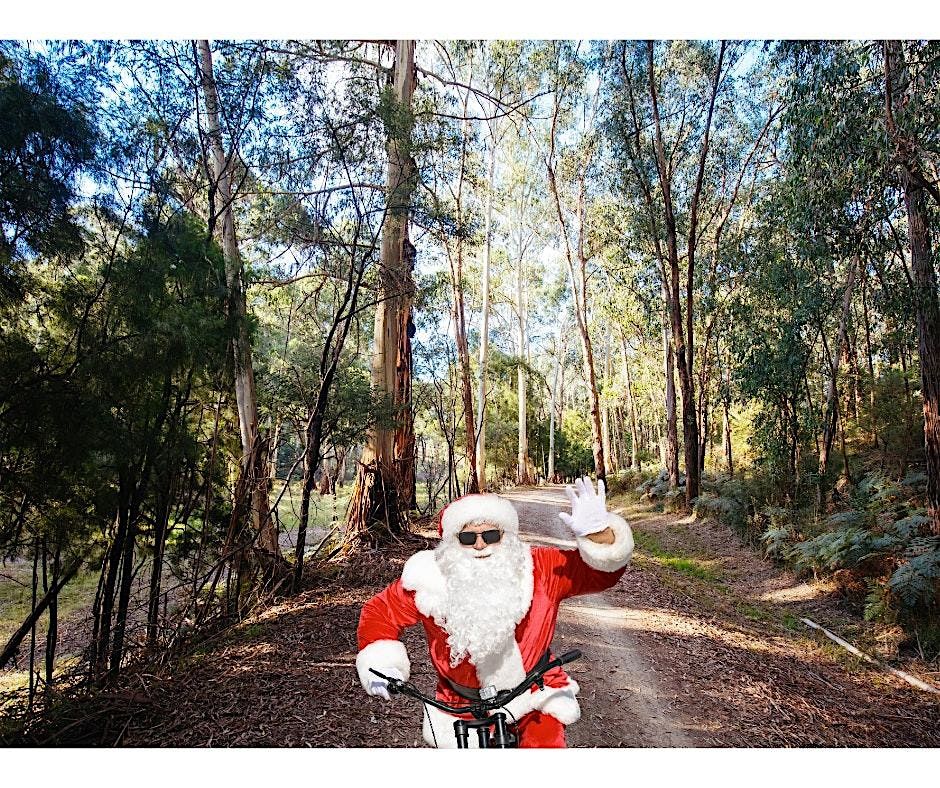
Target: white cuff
{"type": "Point", "coordinates": [608, 557]}
{"type": "Point", "coordinates": [382, 654]}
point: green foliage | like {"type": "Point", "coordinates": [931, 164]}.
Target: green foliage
{"type": "Point", "coordinates": [916, 583]}
{"type": "Point", "coordinates": [45, 140]}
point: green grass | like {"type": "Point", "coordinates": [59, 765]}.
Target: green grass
{"type": "Point", "coordinates": [325, 510]}
{"type": "Point", "coordinates": [252, 631]}
{"type": "Point", "coordinates": [684, 564]}
{"type": "Point", "coordinates": [16, 597]}
{"type": "Point", "coordinates": [693, 568]}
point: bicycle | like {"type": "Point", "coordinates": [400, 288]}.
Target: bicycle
{"type": "Point", "coordinates": [493, 730]}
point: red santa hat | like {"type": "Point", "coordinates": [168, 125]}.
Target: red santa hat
{"type": "Point", "coordinates": [485, 507]}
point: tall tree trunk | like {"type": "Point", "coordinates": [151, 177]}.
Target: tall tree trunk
{"type": "Point", "coordinates": [726, 422]}
{"type": "Point", "coordinates": [161, 527]}
{"type": "Point", "coordinates": [634, 434]}
{"type": "Point", "coordinates": [609, 459]}
{"type": "Point", "coordinates": [869, 358]}
{"type": "Point", "coordinates": [683, 337]}
{"type": "Point", "coordinates": [385, 481]}
{"type": "Point", "coordinates": [485, 320]}
{"type": "Point", "coordinates": [556, 382]}
{"type": "Point", "coordinates": [524, 467]}
{"type": "Point", "coordinates": [254, 460]}
{"type": "Point", "coordinates": [898, 95]}
{"type": "Point", "coordinates": [460, 314]}
{"type": "Point", "coordinates": [313, 434]}
{"type": "Point", "coordinates": [671, 449]}
{"type": "Point", "coordinates": [579, 288]}
{"type": "Point", "coordinates": [835, 362]}
{"type": "Point", "coordinates": [52, 631]}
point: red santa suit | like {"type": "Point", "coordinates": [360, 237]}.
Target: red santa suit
{"type": "Point", "coordinates": [551, 575]}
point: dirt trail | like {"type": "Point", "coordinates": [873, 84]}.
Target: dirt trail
{"type": "Point", "coordinates": [622, 701]}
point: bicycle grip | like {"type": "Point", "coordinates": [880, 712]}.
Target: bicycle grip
{"type": "Point", "coordinates": [571, 656]}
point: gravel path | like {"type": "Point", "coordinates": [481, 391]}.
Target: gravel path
{"type": "Point", "coordinates": [622, 701]}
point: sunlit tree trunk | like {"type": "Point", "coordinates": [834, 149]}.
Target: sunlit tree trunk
{"type": "Point", "coordinates": [385, 481]}
{"type": "Point", "coordinates": [671, 448]}
{"type": "Point", "coordinates": [254, 454]}
{"type": "Point", "coordinates": [634, 434]}
{"type": "Point", "coordinates": [460, 315]}
{"type": "Point", "coordinates": [555, 397]}
{"type": "Point", "coordinates": [485, 320]}
{"type": "Point", "coordinates": [524, 467]}
{"type": "Point", "coordinates": [683, 336]}
{"type": "Point", "coordinates": [578, 280]}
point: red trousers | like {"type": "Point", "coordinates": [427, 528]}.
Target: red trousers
{"type": "Point", "coordinates": [540, 730]}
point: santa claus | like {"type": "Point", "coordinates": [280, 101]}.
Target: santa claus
{"type": "Point", "coordinates": [488, 603]}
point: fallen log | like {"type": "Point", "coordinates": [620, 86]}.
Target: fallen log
{"type": "Point", "coordinates": [912, 680]}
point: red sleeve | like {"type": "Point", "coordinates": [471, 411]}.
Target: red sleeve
{"type": "Point", "coordinates": [568, 574]}
{"type": "Point", "coordinates": [387, 615]}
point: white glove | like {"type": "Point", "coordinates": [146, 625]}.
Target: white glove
{"type": "Point", "coordinates": [588, 509]}
{"type": "Point", "coordinates": [378, 687]}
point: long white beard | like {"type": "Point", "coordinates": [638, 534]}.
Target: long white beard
{"type": "Point", "coordinates": [486, 597]}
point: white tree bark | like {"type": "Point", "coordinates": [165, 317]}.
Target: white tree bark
{"type": "Point", "coordinates": [245, 397]}
{"type": "Point", "coordinates": [485, 324]}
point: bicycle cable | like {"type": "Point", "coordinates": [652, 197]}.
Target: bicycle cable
{"type": "Point", "coordinates": [430, 724]}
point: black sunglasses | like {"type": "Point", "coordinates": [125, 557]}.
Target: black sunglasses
{"type": "Point", "coordinates": [468, 538]}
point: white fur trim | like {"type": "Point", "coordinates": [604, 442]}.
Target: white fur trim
{"type": "Point", "coordinates": [443, 724]}
{"type": "Point", "coordinates": [558, 702]}
{"type": "Point", "coordinates": [381, 654]}
{"type": "Point", "coordinates": [479, 506]}
{"type": "Point", "coordinates": [422, 575]}
{"type": "Point", "coordinates": [609, 557]}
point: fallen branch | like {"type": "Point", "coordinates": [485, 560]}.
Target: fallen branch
{"type": "Point", "coordinates": [14, 642]}
{"type": "Point", "coordinates": [912, 680]}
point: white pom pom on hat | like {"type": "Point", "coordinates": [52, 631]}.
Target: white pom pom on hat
{"type": "Point", "coordinates": [487, 507]}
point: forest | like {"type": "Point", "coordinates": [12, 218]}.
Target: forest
{"type": "Point", "coordinates": [267, 306]}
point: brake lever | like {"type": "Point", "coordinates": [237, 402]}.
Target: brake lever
{"type": "Point", "coordinates": [394, 685]}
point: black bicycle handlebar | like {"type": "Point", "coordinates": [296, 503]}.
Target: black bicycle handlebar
{"type": "Point", "coordinates": [480, 708]}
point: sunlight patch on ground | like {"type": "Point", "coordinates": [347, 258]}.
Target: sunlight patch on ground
{"type": "Point", "coordinates": [11, 680]}
{"type": "Point", "coordinates": [540, 539]}
{"type": "Point", "coordinates": [548, 499]}
{"type": "Point", "coordinates": [665, 622]}
{"type": "Point", "coordinates": [804, 592]}
{"type": "Point", "coordinates": [248, 651]}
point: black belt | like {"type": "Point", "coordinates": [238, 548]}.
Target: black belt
{"type": "Point", "coordinates": [473, 693]}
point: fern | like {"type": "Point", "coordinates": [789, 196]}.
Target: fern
{"type": "Point", "coordinates": [847, 519]}
{"type": "Point", "coordinates": [878, 602]}
{"type": "Point", "coordinates": [910, 526]}
{"type": "Point", "coordinates": [834, 550]}
{"type": "Point", "coordinates": [917, 581]}
{"type": "Point", "coordinates": [777, 542]}
{"type": "Point", "coordinates": [915, 479]}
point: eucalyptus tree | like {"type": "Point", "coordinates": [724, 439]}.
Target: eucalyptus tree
{"type": "Point", "coordinates": [221, 197]}
{"type": "Point", "coordinates": [570, 168]}
{"type": "Point", "coordinates": [912, 73]}
{"type": "Point", "coordinates": [384, 487]}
